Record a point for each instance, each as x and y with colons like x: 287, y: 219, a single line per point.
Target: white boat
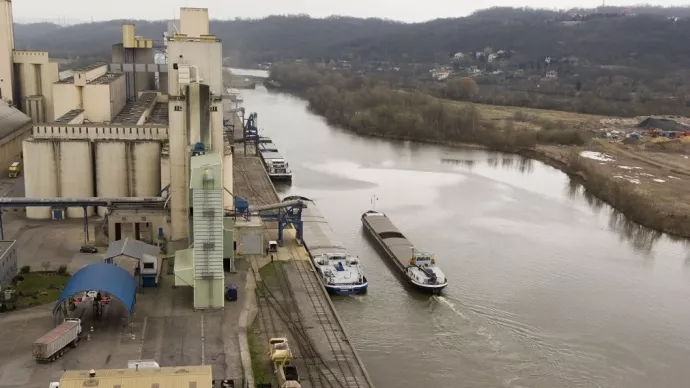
x: 341, y: 273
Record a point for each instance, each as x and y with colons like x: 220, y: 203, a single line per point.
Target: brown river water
x: 549, y: 287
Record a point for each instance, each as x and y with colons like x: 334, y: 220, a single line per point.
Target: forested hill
x: 651, y: 37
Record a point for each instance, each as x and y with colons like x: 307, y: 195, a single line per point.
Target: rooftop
x: 132, y: 111
x: 198, y: 376
x: 131, y: 248
x: 159, y: 115
x: 69, y: 116
x: 104, y: 79
x: 11, y: 119
x: 5, y: 245
x: 91, y: 67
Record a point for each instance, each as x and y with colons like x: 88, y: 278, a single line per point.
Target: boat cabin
x: 423, y: 259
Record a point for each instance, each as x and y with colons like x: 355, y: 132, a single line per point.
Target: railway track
x: 258, y: 197
x: 340, y: 347
x: 318, y: 371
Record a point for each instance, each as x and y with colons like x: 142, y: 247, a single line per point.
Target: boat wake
x: 481, y: 330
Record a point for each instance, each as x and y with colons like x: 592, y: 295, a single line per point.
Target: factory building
x: 15, y: 126
x: 25, y: 76
x: 135, y: 128
x: 8, y: 262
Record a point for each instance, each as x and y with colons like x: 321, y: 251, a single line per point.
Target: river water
x: 548, y: 286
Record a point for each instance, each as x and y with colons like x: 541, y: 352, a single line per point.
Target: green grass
x: 39, y: 288
x: 259, y: 367
x: 269, y: 272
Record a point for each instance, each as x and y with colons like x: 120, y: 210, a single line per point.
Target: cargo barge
x: 340, y: 272
x: 274, y: 163
x: 417, y: 267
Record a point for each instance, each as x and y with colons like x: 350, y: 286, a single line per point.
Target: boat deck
x: 399, y: 246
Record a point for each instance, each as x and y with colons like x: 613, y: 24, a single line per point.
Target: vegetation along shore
x: 643, y: 177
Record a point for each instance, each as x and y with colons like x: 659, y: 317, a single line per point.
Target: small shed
x: 146, y: 256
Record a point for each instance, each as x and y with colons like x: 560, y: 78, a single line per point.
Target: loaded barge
x: 274, y: 163
x: 418, y: 268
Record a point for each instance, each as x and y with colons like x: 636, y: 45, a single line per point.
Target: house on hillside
x: 473, y: 71
x: 492, y: 57
x: 458, y: 55
x: 552, y: 74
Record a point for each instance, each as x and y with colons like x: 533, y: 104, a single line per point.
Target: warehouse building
x: 15, y: 127
x: 8, y: 262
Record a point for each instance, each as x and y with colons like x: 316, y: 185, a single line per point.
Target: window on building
x: 148, y: 265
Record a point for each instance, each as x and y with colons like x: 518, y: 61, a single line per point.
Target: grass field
x: 527, y: 117
x: 39, y: 288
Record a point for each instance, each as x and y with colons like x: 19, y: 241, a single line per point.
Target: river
x: 548, y: 286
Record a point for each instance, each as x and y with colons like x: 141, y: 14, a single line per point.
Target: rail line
x: 335, y: 341
x: 318, y: 372
x: 242, y: 169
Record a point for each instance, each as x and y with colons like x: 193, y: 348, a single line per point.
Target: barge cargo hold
x: 339, y: 271
x: 418, y: 268
x: 274, y: 163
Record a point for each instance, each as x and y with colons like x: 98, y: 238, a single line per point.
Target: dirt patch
x: 651, y: 189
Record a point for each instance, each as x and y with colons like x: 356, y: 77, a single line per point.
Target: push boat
x: 341, y: 273
x: 418, y: 268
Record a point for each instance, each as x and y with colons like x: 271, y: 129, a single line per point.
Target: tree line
x: 372, y: 106
x: 648, y: 39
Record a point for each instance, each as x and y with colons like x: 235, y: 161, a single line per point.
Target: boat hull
x: 428, y: 288
x: 348, y: 290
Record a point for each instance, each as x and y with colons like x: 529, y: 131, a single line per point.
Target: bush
x: 62, y: 270
x: 25, y: 269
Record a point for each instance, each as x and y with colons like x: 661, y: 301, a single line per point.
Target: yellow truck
x: 15, y: 169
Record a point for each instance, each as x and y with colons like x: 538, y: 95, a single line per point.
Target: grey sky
x: 86, y: 10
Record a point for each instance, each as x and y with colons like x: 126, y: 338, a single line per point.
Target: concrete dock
x: 292, y: 302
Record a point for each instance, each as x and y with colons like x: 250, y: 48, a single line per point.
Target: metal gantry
x: 251, y: 132
x: 284, y: 213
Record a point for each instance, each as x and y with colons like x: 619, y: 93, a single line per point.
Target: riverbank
x: 646, y: 188
x: 653, y: 201
x: 651, y: 194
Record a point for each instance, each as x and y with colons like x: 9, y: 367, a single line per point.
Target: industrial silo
x: 111, y: 171
x: 76, y: 174
x: 40, y: 174
x: 146, y: 165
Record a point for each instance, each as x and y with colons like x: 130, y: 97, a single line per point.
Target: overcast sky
x: 405, y: 10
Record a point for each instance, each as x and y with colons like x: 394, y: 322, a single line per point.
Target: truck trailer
x: 53, y: 344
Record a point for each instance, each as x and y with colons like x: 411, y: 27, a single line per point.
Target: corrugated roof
x: 104, y: 277
x: 11, y: 119
x: 196, y: 376
x: 131, y: 248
